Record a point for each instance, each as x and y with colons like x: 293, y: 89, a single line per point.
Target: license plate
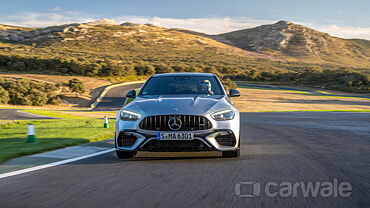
x: 175, y: 136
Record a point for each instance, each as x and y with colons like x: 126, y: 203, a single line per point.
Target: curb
x: 102, y: 94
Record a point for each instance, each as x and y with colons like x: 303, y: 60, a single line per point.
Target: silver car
x: 179, y: 112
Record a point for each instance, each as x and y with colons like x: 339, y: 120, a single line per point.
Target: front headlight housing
x: 129, y: 115
x: 223, y: 115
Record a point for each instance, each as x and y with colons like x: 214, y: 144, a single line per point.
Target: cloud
x: 205, y: 25
x: 228, y: 24
x: 37, y: 19
x: 57, y: 9
x: 344, y: 32
x: 212, y: 25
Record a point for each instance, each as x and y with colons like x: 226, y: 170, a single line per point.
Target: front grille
x: 126, y: 140
x: 175, y: 146
x: 188, y: 123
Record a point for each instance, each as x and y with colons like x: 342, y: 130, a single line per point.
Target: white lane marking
x: 4, y: 175
x: 70, y: 152
x: 33, y: 114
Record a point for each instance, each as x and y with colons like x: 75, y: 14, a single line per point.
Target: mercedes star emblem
x: 174, y: 123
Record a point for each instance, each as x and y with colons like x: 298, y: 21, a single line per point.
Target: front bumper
x: 204, y: 140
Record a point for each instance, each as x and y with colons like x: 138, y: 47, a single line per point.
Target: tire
x: 125, y: 155
x: 228, y: 154
x: 115, y: 140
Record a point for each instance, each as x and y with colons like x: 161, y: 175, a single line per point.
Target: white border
x: 5, y: 175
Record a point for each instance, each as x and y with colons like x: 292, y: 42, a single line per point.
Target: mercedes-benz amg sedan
x: 179, y: 112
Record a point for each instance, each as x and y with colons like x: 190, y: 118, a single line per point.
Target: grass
x: 359, y: 111
x: 259, y: 88
x: 266, y: 100
x: 101, y: 112
x: 54, y: 114
x: 8, y: 107
x: 342, y: 97
x: 50, y: 134
x: 71, y: 114
x: 326, y: 94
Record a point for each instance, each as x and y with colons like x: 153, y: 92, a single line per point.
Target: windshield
x: 182, y: 85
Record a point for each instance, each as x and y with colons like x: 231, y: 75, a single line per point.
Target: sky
x: 341, y: 18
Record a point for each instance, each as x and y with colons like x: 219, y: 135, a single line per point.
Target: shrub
x: 229, y: 84
x: 145, y: 69
x: 26, y: 92
x: 4, y: 96
x: 76, y: 86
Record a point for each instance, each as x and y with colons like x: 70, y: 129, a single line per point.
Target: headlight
x: 129, y: 116
x: 223, y: 115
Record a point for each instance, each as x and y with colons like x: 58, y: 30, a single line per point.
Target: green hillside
x: 106, y: 49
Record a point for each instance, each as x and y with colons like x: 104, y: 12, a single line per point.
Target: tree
x: 36, y: 97
x: 26, y: 92
x: 76, y: 86
x: 4, y: 96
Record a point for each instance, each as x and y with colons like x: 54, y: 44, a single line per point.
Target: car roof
x: 183, y: 74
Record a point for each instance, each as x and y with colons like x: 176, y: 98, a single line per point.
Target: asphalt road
x: 13, y: 114
x: 276, y: 147
x: 115, y: 98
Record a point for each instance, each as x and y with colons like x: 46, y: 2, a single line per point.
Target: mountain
x: 280, y: 41
x: 295, y: 42
x: 108, y: 37
x: 283, y: 52
x: 107, y: 41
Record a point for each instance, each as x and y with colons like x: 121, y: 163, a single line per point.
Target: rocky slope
x: 298, y: 43
x: 107, y: 31
x: 108, y: 39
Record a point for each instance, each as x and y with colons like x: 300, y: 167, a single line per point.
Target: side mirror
x: 131, y: 94
x: 234, y: 93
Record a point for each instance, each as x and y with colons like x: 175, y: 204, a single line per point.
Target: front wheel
x: 125, y: 155
x: 234, y: 153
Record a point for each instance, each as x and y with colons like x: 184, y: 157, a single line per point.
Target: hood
x: 178, y: 104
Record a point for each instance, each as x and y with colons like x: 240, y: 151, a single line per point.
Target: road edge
x: 102, y: 94
x: 26, y: 170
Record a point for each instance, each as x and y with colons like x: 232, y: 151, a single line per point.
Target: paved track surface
x: 13, y: 114
x: 115, y: 98
x: 276, y: 147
